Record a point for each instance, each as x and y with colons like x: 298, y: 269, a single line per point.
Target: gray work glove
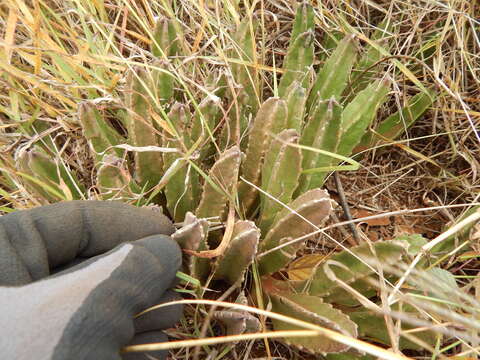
x: 86, y: 309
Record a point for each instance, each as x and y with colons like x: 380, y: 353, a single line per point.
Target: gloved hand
x: 52, y: 310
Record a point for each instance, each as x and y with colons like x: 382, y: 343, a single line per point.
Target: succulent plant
x: 232, y: 265
x: 314, y: 310
x: 46, y: 177
x: 257, y: 159
x: 141, y: 127
x: 238, y: 321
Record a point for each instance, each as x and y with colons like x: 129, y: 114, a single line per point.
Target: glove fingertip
x: 165, y: 249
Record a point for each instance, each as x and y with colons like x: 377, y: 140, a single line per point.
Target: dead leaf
x: 361, y: 213
x: 373, y: 236
x: 304, y: 267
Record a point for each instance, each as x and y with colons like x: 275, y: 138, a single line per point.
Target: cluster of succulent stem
x: 268, y: 158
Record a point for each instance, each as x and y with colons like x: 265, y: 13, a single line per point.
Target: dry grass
x: 54, y: 54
